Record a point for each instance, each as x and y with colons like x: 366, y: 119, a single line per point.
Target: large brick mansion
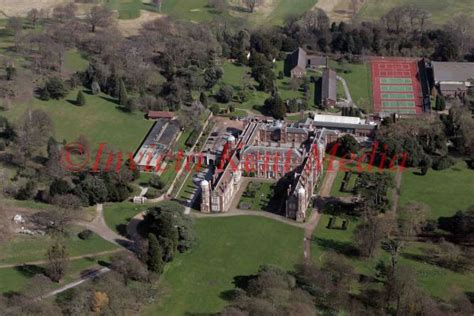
x: 268, y: 151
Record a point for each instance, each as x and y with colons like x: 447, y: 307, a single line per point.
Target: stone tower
x: 301, y: 213
x: 206, y: 197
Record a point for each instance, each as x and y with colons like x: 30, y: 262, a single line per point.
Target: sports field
x: 396, y: 87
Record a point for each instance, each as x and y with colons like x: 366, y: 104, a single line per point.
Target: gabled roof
x: 161, y: 114
x: 453, y: 71
x: 329, y: 85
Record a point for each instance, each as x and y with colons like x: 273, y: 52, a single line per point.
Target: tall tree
x: 155, y: 255
x: 58, y: 260
x: 123, y: 96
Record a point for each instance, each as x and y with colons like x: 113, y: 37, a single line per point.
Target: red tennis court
x: 396, y: 87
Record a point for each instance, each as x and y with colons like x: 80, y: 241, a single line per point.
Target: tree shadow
x: 73, y: 102
x: 30, y: 270
x: 455, y: 266
x: 122, y: 229
x: 110, y: 99
x: 341, y: 247
x: 240, y: 282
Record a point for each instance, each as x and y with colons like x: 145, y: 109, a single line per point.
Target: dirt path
x: 99, y: 226
x: 40, y: 262
x: 89, y: 275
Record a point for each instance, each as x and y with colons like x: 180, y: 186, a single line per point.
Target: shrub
x: 59, y: 187
x: 443, y: 163
x: 215, y: 109
x: 156, y: 182
x: 53, y: 88
x: 85, y: 234
x: 80, y: 100
x: 2, y: 145
x: 152, y: 193
x: 27, y: 192
x: 245, y: 206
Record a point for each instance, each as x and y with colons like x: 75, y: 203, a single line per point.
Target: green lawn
x: 169, y: 173
x: 74, y: 61
x: 28, y: 248
x: 227, y: 248
x: 188, y: 188
x: 100, y: 121
x: 360, y: 83
x: 442, y: 11
x: 445, y: 192
x: 263, y: 194
x: 191, y: 10
x: 435, y: 280
x: 117, y: 215
x: 181, y: 142
x: 127, y: 9
x: 285, y: 8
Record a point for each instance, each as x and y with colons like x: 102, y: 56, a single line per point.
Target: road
x: 84, y: 278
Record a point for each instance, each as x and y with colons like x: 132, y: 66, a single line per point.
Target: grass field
x: 15, y: 279
x: 227, y: 248
x: 442, y: 11
x: 445, y: 192
x: 360, y: 84
x: 100, y: 121
x: 27, y: 248
x: 263, y: 194
x: 234, y: 76
x: 117, y: 215
x: 435, y: 280
x: 275, y: 12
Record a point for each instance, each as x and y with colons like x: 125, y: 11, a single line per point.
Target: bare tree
x: 461, y: 26
x: 252, y: 4
x: 99, y: 16
x: 369, y: 234
x: 316, y: 20
x: 412, y: 218
x: 64, y: 13
x: 33, y: 16
x: 35, y: 129
x: 158, y: 4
